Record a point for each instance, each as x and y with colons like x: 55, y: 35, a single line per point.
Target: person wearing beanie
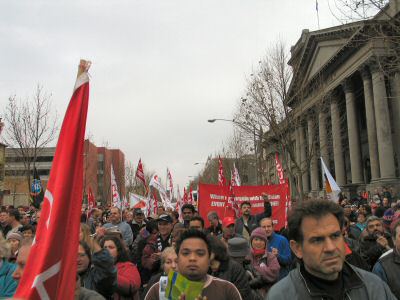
x: 265, y: 265
x: 14, y: 240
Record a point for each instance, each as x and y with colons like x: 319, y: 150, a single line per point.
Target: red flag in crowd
x: 91, y: 200
x: 185, y: 196
x: 279, y: 169
x: 190, y: 196
x: 221, y: 177
x: 50, y: 272
x: 140, y: 173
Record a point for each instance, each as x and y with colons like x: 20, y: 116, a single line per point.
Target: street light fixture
x: 254, y: 134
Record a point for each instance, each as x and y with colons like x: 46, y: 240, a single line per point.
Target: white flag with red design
x: 232, y: 203
x: 50, y: 272
x: 179, y: 204
x: 185, y: 196
x: 170, y: 185
x: 221, y: 176
x: 235, y: 178
x: 279, y: 169
x: 140, y: 173
x: 116, y: 200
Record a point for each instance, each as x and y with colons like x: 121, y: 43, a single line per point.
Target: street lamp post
x: 254, y: 140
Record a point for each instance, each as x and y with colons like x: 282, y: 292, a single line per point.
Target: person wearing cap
x: 138, y: 222
x: 157, y: 243
x: 375, y: 242
x: 265, y: 264
x: 14, y: 240
x: 228, y: 230
x: 224, y: 267
x: 123, y: 227
x: 247, y: 222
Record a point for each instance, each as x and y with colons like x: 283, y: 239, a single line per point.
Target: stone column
x: 323, y: 137
x: 303, y: 159
x: 395, y: 82
x: 383, y: 130
x: 371, y: 127
x: 353, y: 134
x: 298, y: 157
x: 312, y: 147
x: 340, y: 172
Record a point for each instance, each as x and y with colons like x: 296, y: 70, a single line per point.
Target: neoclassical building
x: 345, y: 95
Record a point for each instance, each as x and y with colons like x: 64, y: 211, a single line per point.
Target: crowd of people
x: 349, y: 250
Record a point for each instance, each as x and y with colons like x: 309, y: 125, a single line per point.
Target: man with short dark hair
x: 315, y: 233
x: 188, y: 212
x: 196, y: 222
x: 375, y: 242
x: 193, y: 250
x: 246, y: 223
x: 388, y: 265
x: 13, y: 219
x: 4, y: 226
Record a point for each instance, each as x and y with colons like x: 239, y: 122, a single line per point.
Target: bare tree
x: 31, y: 125
x: 267, y: 114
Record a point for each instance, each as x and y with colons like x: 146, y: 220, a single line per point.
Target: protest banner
x: 215, y: 198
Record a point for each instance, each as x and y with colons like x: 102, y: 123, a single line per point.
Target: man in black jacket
x: 247, y: 222
x: 375, y: 242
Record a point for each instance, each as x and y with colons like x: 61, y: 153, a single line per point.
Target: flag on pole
x: 331, y: 187
x: 91, y: 200
x: 170, y: 186
x: 116, y: 200
x: 140, y: 173
x: 190, y: 196
x: 221, y: 176
x: 232, y: 203
x: 279, y: 169
x: 185, y: 196
x: 179, y: 204
x: 235, y: 178
x: 37, y: 193
x: 50, y: 272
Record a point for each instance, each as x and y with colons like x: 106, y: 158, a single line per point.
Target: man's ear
x: 296, y: 248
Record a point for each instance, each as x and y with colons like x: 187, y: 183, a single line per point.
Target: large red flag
x: 221, y: 176
x: 50, y: 272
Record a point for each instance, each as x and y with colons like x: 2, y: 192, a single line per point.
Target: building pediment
x: 314, y: 50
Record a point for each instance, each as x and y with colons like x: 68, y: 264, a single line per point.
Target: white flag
x: 331, y: 187
x: 116, y: 200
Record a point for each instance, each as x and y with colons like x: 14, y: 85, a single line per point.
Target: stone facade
x: 349, y: 105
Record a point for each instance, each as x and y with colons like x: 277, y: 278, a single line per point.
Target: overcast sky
x: 160, y: 69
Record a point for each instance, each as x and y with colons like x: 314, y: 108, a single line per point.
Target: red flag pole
x: 50, y: 272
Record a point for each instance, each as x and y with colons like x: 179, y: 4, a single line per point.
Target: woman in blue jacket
x: 7, y: 284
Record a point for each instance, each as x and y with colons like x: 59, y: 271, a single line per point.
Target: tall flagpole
x: 316, y: 7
